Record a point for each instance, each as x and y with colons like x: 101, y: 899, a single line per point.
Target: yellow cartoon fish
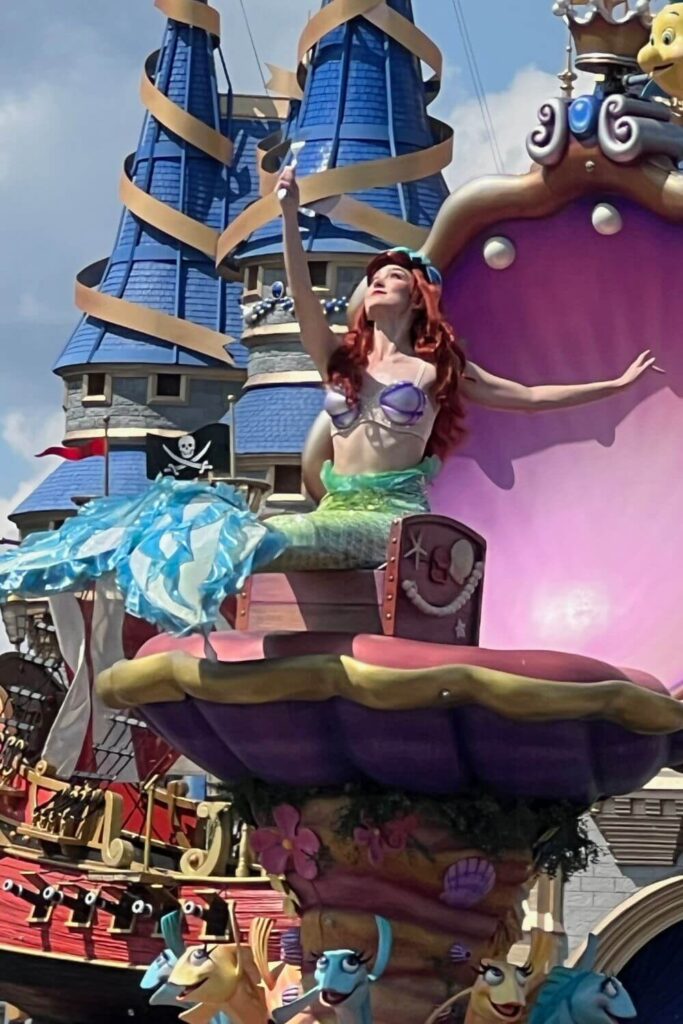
x: 662, y: 56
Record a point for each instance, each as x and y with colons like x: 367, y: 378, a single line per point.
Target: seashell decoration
x: 462, y: 561
x: 457, y: 954
x: 468, y: 882
x: 291, y: 950
x: 291, y: 994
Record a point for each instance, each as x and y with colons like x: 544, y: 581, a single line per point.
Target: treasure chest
x: 430, y: 589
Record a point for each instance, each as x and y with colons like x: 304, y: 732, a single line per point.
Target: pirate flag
x: 190, y: 456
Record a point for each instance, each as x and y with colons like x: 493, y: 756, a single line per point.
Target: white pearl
x: 499, y: 253
x: 606, y: 219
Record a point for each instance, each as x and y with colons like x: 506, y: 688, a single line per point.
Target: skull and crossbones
x: 189, y: 457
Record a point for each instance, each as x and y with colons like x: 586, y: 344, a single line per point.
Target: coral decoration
x: 287, y: 844
x: 338, y: 909
x: 391, y: 837
x: 468, y: 882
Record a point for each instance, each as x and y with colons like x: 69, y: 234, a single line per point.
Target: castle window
x: 169, y: 388
x: 348, y: 279
x: 269, y: 275
x: 287, y: 480
x: 168, y: 385
x: 318, y: 271
x: 96, y: 389
x: 251, y: 278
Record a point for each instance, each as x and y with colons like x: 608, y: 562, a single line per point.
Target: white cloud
x: 513, y: 112
x: 10, y: 501
x: 28, y: 434
x: 25, y: 436
x: 33, y: 310
x: 61, y: 149
x: 21, y: 117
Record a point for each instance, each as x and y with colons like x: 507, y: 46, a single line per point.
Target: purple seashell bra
x: 399, y: 405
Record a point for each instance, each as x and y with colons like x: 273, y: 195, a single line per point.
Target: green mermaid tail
x: 180, y: 547
x: 350, y: 528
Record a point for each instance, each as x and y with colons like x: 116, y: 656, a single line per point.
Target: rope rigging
x: 478, y: 86
x: 253, y: 45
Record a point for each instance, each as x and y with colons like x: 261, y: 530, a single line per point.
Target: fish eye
x: 668, y: 37
x: 522, y: 975
x: 493, y: 976
x: 322, y: 963
x: 351, y: 964
x: 199, y: 956
x: 610, y: 988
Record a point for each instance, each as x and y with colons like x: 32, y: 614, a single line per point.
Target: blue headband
x: 426, y: 265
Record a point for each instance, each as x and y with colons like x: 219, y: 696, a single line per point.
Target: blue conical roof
x: 151, y: 268
x: 364, y: 100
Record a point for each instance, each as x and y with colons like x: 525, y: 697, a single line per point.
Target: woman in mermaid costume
x: 396, y: 387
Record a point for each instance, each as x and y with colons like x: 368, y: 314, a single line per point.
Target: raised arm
x: 316, y: 336
x: 497, y: 393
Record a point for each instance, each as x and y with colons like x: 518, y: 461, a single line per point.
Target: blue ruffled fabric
x: 177, y: 551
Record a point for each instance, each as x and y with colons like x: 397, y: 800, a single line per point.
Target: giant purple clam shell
x: 468, y: 882
x: 291, y: 950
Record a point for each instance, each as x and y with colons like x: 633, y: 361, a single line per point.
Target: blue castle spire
x: 140, y: 379
x: 364, y: 101
x: 148, y: 266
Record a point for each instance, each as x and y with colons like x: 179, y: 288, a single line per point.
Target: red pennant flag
x: 98, y: 446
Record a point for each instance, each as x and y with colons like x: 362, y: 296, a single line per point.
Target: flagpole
x: 106, y: 456
x: 233, y: 455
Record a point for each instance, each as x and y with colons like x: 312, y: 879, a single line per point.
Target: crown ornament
x: 608, y: 34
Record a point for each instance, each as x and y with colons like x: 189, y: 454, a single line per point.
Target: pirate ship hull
x: 72, y: 965
x: 54, y: 988
x: 87, y: 872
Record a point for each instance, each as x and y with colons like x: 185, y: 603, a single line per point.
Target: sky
x: 70, y: 113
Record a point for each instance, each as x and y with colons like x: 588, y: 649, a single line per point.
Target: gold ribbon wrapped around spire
x: 179, y: 122
x: 130, y: 315
x: 193, y: 13
x: 383, y: 17
x: 328, y: 191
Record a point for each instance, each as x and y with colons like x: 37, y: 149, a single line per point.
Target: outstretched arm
x: 497, y: 393
x: 316, y: 337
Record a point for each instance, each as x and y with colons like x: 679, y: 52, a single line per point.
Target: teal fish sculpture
x: 343, y: 982
x: 582, y: 995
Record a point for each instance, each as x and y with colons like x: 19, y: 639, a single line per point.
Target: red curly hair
x: 433, y: 340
